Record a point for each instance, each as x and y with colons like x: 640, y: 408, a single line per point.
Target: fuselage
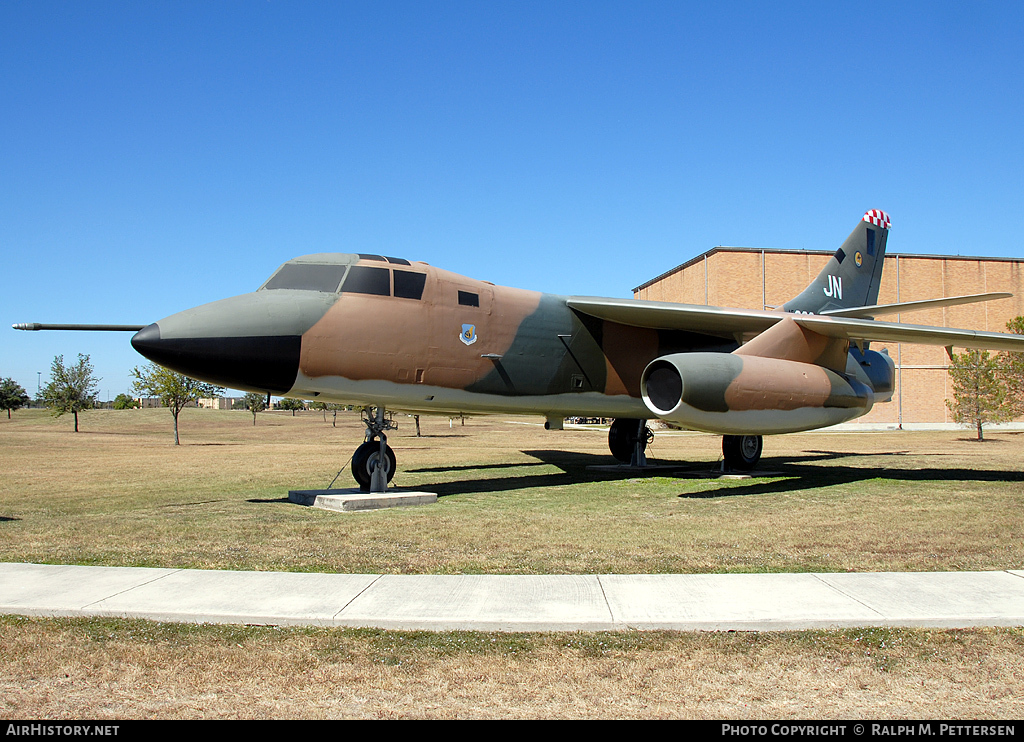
x: 373, y: 330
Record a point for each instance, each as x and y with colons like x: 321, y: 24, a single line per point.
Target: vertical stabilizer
x: 851, y: 276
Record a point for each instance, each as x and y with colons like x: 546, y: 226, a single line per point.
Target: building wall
x: 764, y: 279
x: 218, y: 403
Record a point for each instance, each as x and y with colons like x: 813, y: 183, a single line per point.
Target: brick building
x: 755, y: 278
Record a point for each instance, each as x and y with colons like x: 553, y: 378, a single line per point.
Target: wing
x: 665, y: 315
x: 737, y: 323
x: 915, y: 306
x: 865, y: 330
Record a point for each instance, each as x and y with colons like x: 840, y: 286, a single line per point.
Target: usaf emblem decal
x: 468, y: 334
x: 858, y: 259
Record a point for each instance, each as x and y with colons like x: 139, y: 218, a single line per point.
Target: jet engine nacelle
x: 750, y: 395
x: 875, y: 369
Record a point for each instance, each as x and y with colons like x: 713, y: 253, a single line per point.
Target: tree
x: 979, y: 390
x: 70, y: 389
x: 1013, y: 370
x: 12, y: 396
x: 334, y: 407
x: 291, y: 404
x: 174, y: 390
x: 255, y: 402
x: 325, y: 406
x: 124, y: 402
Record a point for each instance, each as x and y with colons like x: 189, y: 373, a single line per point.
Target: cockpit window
x: 397, y: 261
x: 308, y: 277
x: 365, y: 279
x: 409, y: 285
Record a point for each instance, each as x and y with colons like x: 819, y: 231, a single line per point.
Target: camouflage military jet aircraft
x: 382, y: 332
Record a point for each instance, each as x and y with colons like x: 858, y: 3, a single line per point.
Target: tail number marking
x: 835, y: 287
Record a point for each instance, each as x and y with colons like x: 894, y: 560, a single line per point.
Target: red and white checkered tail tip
x: 879, y: 218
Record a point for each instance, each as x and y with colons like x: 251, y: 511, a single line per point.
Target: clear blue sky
x: 159, y: 155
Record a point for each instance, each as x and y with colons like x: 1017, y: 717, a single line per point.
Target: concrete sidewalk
x: 742, y: 602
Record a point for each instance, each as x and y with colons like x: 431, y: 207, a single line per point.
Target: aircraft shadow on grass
x: 799, y: 473
x: 474, y: 467
x: 786, y: 475
x: 796, y: 477
x: 776, y: 475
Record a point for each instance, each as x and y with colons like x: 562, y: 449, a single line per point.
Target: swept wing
x: 739, y: 322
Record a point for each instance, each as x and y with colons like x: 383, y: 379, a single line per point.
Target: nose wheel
x: 374, y: 463
x: 367, y: 460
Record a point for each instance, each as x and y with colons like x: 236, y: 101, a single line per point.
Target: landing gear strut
x: 741, y: 452
x: 373, y: 463
x: 627, y: 439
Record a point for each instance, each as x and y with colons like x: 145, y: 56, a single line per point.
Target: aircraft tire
x: 622, y: 437
x: 742, y: 452
x: 364, y: 462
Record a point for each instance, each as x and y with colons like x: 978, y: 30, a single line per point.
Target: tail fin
x: 851, y: 277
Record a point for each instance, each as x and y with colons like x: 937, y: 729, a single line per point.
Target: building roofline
x: 791, y: 251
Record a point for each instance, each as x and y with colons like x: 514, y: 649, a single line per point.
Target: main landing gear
x: 741, y: 452
x: 373, y: 463
x: 628, y: 440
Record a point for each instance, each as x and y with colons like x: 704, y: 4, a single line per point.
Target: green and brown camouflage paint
x: 525, y: 343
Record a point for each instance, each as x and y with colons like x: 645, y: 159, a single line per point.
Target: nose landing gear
x: 374, y: 463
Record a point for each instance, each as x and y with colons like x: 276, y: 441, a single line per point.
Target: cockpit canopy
x: 332, y: 272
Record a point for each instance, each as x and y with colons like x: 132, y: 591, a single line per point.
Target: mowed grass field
x: 514, y: 499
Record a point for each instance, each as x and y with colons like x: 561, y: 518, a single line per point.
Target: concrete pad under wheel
x: 354, y: 500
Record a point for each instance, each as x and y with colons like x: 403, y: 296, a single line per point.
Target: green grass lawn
x: 514, y: 498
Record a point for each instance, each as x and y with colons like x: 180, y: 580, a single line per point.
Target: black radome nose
x: 255, y: 363
x: 147, y: 337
